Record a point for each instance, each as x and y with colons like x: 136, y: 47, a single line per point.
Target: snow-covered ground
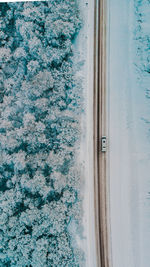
x: 85, y: 48
x: 129, y: 111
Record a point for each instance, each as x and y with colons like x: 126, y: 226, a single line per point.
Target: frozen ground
x: 84, y: 48
x: 129, y: 132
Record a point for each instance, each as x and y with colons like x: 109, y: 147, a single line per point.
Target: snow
x: 85, y: 46
x: 129, y: 136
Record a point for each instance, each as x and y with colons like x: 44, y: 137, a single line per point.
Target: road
x: 100, y: 129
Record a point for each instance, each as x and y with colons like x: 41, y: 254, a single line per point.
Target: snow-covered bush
x: 40, y: 103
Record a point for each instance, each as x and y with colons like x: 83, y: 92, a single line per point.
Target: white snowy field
x: 129, y: 111
x: 84, y: 49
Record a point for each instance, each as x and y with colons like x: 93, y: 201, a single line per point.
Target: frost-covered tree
x: 40, y: 103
